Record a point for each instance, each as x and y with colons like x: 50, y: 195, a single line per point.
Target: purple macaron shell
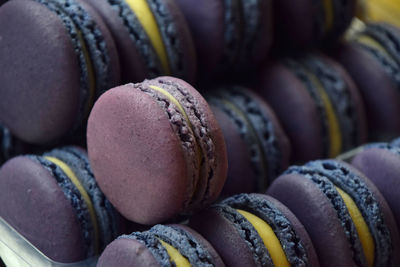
x: 219, y: 231
x: 299, y: 228
x: 47, y: 102
x: 369, y: 75
x: 136, y: 156
x: 34, y: 204
x: 206, y: 21
x: 382, y: 167
x: 127, y: 252
x: 315, y: 212
x: 239, y: 165
x: 297, y: 115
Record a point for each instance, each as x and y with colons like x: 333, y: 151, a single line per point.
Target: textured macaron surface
x: 168, y: 151
x: 171, y: 245
x: 154, y: 34
x: 68, y: 51
x: 229, y: 34
x: 363, y: 214
x: 267, y: 144
x: 379, y: 162
x: 255, y: 230
x: 371, y: 58
x: 295, y: 252
x: 321, y: 95
x: 65, y: 177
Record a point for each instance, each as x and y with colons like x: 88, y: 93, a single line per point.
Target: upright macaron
x: 57, y: 57
x: 348, y: 220
x: 372, y: 58
x: 229, y: 34
x: 255, y: 230
x: 317, y: 103
x: 55, y: 203
x: 162, y: 245
x: 380, y: 163
x: 152, y: 38
x: 308, y: 22
x: 258, y: 148
x: 156, y: 144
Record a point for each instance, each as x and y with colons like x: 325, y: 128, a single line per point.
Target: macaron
x: 317, y: 103
x: 156, y: 144
x: 57, y: 58
x: 152, y: 38
x: 258, y: 148
x: 380, y: 163
x: 347, y: 218
x: 372, y: 59
x: 162, y: 245
x: 54, y: 202
x: 255, y: 230
x: 309, y: 22
x: 229, y: 35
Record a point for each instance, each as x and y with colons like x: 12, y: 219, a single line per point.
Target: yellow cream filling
x: 71, y: 175
x: 183, y: 112
x: 175, y: 256
x: 329, y: 16
x: 91, y: 74
x: 253, y: 131
x: 271, y: 242
x: 149, y: 23
x: 371, y: 42
x: 335, y: 135
x: 366, y: 239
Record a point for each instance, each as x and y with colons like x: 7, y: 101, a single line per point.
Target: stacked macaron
x: 54, y: 202
x: 9, y: 145
x: 347, y: 218
x: 255, y: 230
x: 380, y: 163
x: 317, y: 103
x: 372, y: 58
x: 162, y: 245
x: 309, y: 22
x: 229, y: 35
x: 156, y: 144
x: 258, y: 149
x: 59, y: 56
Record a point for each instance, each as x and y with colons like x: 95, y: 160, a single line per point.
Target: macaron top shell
x: 168, y: 153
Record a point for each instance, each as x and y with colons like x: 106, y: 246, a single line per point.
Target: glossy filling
x: 270, y: 240
x: 91, y: 74
x: 329, y: 16
x: 175, y: 256
x: 71, y: 175
x: 146, y: 18
x: 366, y: 239
x: 335, y: 135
